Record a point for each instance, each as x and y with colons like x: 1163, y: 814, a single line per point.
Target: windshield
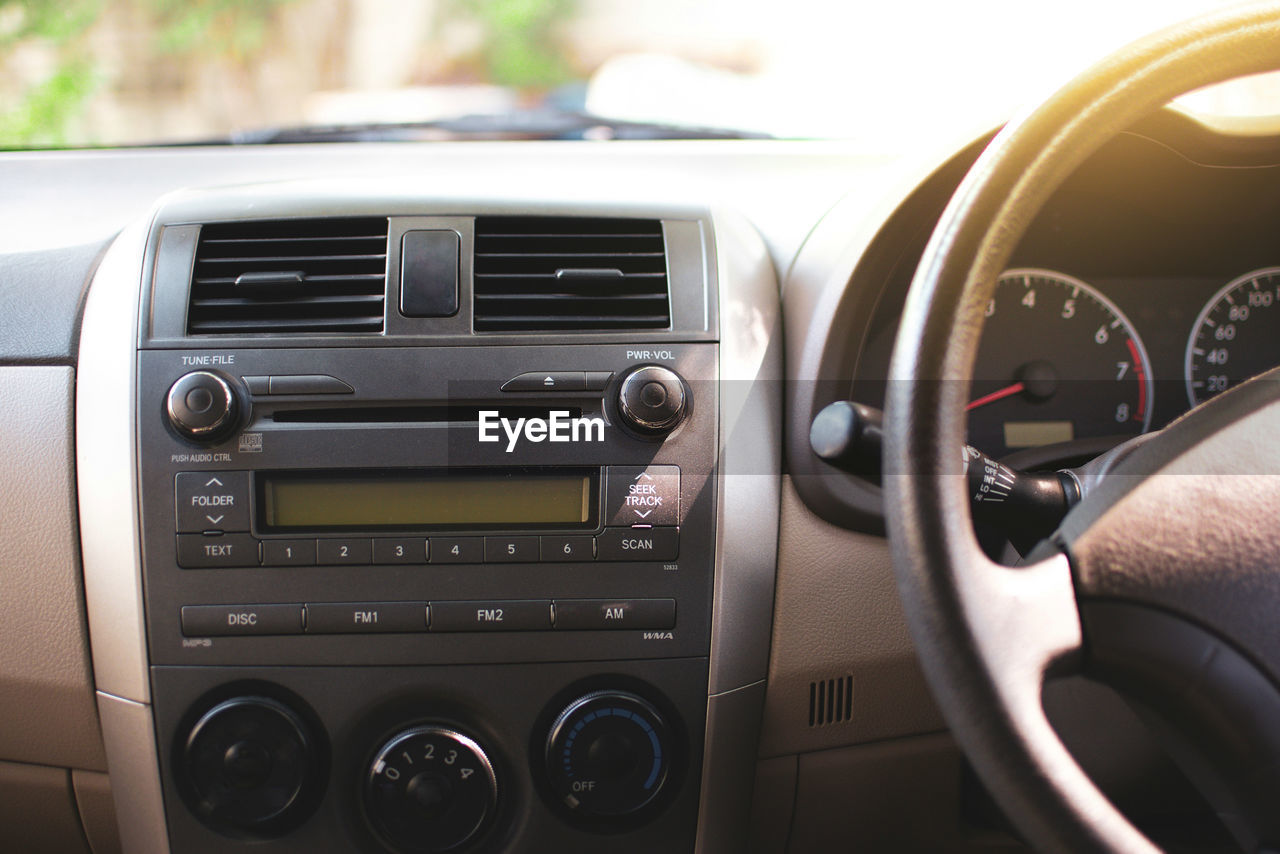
x: 112, y: 72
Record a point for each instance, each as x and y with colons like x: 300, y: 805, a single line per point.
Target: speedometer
x: 1236, y: 336
x: 1057, y: 362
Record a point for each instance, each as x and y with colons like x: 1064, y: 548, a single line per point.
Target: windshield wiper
x: 528, y: 125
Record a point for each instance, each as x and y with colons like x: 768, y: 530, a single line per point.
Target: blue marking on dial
x: 657, y: 760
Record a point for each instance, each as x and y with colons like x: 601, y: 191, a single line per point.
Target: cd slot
x: 426, y: 414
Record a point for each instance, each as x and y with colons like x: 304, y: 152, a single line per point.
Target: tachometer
x: 1058, y: 361
x: 1236, y: 336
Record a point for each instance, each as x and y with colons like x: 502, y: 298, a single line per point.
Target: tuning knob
x: 202, y: 406
x: 652, y: 400
x: 608, y: 756
x: 430, y: 789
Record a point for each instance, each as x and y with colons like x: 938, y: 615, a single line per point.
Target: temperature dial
x: 607, y: 755
x: 430, y: 789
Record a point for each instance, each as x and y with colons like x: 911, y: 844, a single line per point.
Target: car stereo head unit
x: 429, y: 512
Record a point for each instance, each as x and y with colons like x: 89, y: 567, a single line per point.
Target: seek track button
x: 642, y: 495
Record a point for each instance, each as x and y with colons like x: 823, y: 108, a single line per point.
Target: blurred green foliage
x: 520, y: 47
x: 520, y: 44
x: 235, y: 29
x: 232, y: 29
x: 54, y: 20
x: 42, y: 114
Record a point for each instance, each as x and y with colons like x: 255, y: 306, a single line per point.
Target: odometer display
x: 1236, y: 336
x: 1057, y: 359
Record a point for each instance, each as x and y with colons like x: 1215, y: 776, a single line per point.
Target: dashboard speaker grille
x: 289, y: 276
x: 562, y: 273
x: 831, y: 701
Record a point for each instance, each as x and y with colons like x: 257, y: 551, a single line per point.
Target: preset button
x: 389, y: 550
x: 510, y: 549
x: 288, y: 552
x: 573, y: 548
x: 342, y: 552
x: 457, y: 549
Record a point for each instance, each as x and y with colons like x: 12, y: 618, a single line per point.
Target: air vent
x: 289, y: 276
x: 831, y: 701
x: 560, y: 273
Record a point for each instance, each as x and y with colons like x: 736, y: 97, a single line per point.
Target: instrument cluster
x: 1147, y: 285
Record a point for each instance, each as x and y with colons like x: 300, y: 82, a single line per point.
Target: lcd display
x: 1032, y: 434
x: 453, y: 500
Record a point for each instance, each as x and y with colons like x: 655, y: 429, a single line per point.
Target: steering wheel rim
x: 988, y: 636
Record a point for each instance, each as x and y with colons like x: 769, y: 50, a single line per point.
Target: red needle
x: 1007, y: 391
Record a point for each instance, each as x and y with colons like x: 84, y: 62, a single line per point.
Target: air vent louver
x: 536, y: 274
x: 831, y: 701
x: 289, y: 276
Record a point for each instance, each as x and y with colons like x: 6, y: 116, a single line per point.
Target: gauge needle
x: 1007, y: 391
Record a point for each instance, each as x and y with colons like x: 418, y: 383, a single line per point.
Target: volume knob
x: 652, y: 400
x: 202, y: 406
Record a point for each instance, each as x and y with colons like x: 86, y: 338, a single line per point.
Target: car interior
x: 412, y: 495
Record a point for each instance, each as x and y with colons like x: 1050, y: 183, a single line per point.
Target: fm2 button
x: 212, y: 501
x: 642, y: 495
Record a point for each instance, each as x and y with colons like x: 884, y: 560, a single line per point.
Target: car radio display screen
x: 410, y: 500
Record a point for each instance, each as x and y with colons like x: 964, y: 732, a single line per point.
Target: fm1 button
x: 212, y: 501
x: 642, y: 495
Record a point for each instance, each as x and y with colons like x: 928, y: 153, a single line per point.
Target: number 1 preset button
x: 288, y: 552
x: 525, y: 615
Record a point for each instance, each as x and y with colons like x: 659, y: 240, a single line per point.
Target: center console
x: 428, y: 532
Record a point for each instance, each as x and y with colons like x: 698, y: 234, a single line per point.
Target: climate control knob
x: 251, y: 766
x: 652, y: 400
x: 607, y: 755
x: 430, y: 789
x: 202, y: 406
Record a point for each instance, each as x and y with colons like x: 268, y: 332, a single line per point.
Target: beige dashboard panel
x: 47, y: 711
x: 837, y: 622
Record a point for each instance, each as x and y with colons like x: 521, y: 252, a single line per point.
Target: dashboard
x: 418, y: 560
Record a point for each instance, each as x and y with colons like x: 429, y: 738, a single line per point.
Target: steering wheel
x: 1165, y: 580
